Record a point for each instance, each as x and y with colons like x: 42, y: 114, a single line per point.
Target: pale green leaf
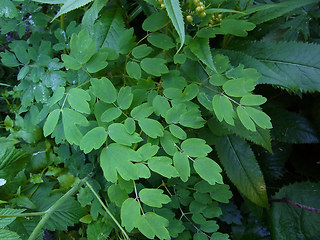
x: 70, y: 5
x: 195, y: 147
x: 245, y: 119
x: 93, y: 139
x: 177, y: 131
x: 163, y: 166
x: 160, y: 105
x: 78, y: 99
x: 259, y: 117
x: 82, y: 46
x: 97, y: 62
x: 252, y: 100
x: 119, y: 134
x: 130, y: 212
x: 111, y: 114
x: 236, y: 88
x: 117, y: 195
x: 147, y: 151
x: 168, y: 142
x: 116, y: 158
x: 104, y: 89
x: 153, y: 197
x: 208, y: 169
x: 51, y: 122
x: 125, y: 97
x: 151, y: 127
x: 223, y: 109
x: 142, y: 111
x: 181, y: 163
x: 148, y: 65
x: 175, y: 14
x: 130, y: 125
x: 161, y: 40
x: 242, y: 168
x: 57, y: 96
x: 70, y: 62
x: 200, y: 48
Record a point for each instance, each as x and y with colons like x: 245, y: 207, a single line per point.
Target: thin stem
x: 24, y: 215
x: 137, y: 197
x: 308, y: 208
x: 53, y: 208
x: 107, y: 210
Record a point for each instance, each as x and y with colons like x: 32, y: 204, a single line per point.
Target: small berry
x: 203, y: 14
x: 163, y: 6
x: 196, y: 2
x: 202, y: 8
x: 189, y: 18
x: 211, y: 21
x: 201, y: 3
x: 198, y: 9
x: 160, y: 1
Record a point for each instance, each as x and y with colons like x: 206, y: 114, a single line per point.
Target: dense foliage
x: 159, y: 119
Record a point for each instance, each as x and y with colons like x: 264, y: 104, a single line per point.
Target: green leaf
x: 93, y: 139
x: 8, y: 235
x: 245, y: 119
x: 133, y: 69
x: 125, y: 97
x: 179, y: 58
x: 117, y: 195
x: 259, y: 117
x: 116, y: 158
x: 119, y: 134
x: 195, y: 147
x: 200, y: 48
x: 97, y: 62
x: 8, y: 10
x: 252, y: 100
x: 177, y: 132
x: 236, y: 27
x: 70, y: 62
x: 142, y: 111
x: 208, y: 169
x: 151, y: 127
x: 160, y: 105
x: 147, y: 64
x: 104, y: 89
x: 236, y: 88
x: 51, y: 122
x: 70, y: 5
x: 5, y: 221
x: 69, y: 119
x: 223, y: 109
x: 153, y: 197
x: 289, y: 127
x: 111, y: 114
x: 181, y: 163
x: 147, y: 151
x: 163, y: 166
x: 78, y: 99
x: 82, y: 47
x: 130, y: 125
x: 221, y: 193
x: 141, y: 51
x: 161, y: 40
x: 130, y: 212
x: 293, y: 222
x: 242, y: 168
x: 57, y: 96
x: 126, y: 41
x: 175, y: 14
x: 151, y: 225
x: 9, y: 59
x: 155, y: 21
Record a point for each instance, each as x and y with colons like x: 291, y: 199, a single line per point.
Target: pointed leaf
x: 242, y: 168
x: 51, y: 122
x: 208, y: 169
x: 93, y: 139
x: 153, y: 197
x: 70, y: 5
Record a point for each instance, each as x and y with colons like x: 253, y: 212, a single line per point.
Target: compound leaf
x: 151, y: 225
x: 223, y: 109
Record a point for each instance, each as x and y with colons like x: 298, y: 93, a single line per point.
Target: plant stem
x: 308, y: 208
x: 55, y: 206
x: 24, y: 215
x: 107, y: 210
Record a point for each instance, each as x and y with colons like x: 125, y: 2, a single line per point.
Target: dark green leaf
x: 133, y: 70
x: 141, y: 51
x: 161, y: 40
x: 51, y: 122
x: 163, y: 166
x: 148, y: 65
x: 181, y: 163
x: 155, y: 21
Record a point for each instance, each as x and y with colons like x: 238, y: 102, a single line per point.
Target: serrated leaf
x: 201, y: 149
x: 163, y: 166
x: 104, y: 89
x: 147, y: 64
x: 208, y: 169
x: 51, y: 122
x: 69, y: 119
x: 93, y: 139
x: 177, y: 132
x: 78, y: 99
x: 8, y: 235
x: 70, y: 5
x: 141, y: 51
x: 161, y: 40
x: 153, y: 197
x: 133, y: 69
x: 151, y: 127
x: 116, y: 158
x: 130, y: 212
x: 5, y: 221
x: 223, y: 109
x: 181, y: 163
x: 155, y: 21
x: 119, y: 134
x: 125, y: 97
x: 175, y: 14
x: 293, y: 222
x: 242, y: 168
x: 111, y: 114
x: 200, y: 48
